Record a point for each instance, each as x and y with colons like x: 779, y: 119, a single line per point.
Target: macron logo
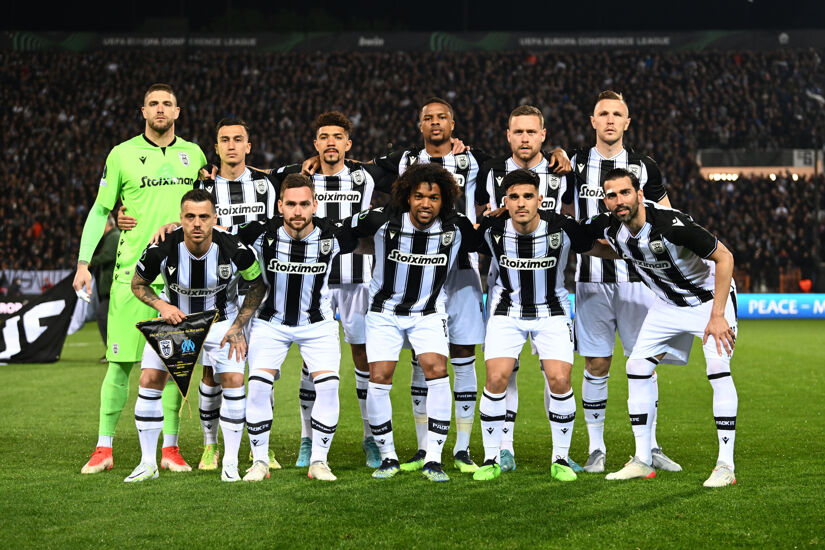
x: 678, y: 223
x: 171, y: 269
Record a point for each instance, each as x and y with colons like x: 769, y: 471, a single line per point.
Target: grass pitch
x: 50, y: 422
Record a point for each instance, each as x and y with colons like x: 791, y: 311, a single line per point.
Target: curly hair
x: 425, y: 173
x: 333, y: 118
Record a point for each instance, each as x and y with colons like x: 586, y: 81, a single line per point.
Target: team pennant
x: 179, y: 345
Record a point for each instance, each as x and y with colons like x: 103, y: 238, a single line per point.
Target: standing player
x: 694, y: 298
x: 609, y: 294
x: 417, y: 241
x: 342, y: 188
x: 200, y: 267
x: 148, y: 174
x: 298, y: 252
x: 529, y: 249
x: 526, y: 134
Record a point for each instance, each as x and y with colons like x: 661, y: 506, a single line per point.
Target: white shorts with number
x: 352, y: 302
x: 217, y: 358
x: 386, y: 334
x: 551, y: 336
x: 670, y: 329
x: 319, y: 344
x: 602, y: 309
x: 465, y: 308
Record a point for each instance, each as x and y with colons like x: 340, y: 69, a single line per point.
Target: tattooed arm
x: 234, y: 336
x: 146, y: 294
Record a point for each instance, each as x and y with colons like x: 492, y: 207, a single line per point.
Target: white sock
x: 379, y: 407
x: 439, y: 407
x: 653, y: 443
x: 149, y: 423
x: 259, y: 413
x: 725, y: 405
x: 233, y: 414
x: 641, y: 403
x: 209, y: 406
x: 594, y: 403
x: 105, y: 440
x: 562, y: 415
x: 306, y: 396
x: 512, y: 410
x: 324, y: 415
x: 465, y: 395
x: 492, y: 410
x: 362, y: 381
x: 418, y: 392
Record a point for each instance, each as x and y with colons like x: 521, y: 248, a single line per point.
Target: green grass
x: 49, y: 417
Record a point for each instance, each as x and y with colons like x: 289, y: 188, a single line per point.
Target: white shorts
x: 386, y: 334
x: 465, y: 308
x: 217, y: 358
x: 319, y: 344
x: 602, y: 309
x: 670, y: 329
x: 551, y: 336
x: 352, y: 302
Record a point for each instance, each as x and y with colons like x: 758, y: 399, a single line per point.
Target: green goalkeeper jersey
x: 150, y: 181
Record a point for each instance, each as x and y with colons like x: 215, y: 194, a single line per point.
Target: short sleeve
x: 148, y: 266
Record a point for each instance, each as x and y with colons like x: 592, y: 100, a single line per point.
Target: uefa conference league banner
x: 36, y: 332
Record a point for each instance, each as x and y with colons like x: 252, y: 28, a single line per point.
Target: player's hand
x: 498, y: 212
x: 160, y: 234
x: 170, y: 314
x: 458, y: 146
x: 82, y: 279
x: 208, y: 172
x: 722, y: 333
x: 237, y: 343
x: 125, y: 222
x: 559, y: 161
x: 311, y: 165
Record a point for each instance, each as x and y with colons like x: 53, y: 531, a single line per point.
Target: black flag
x: 179, y: 345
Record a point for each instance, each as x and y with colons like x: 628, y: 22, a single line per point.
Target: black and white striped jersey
x: 551, y: 186
x: 411, y: 264
x: 195, y: 284
x: 464, y: 167
x: 249, y: 198
x: 584, y: 190
x: 669, y: 252
x: 340, y: 196
x: 297, y: 271
x: 530, y: 268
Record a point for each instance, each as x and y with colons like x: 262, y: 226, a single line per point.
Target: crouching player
x: 200, y: 266
x: 529, y: 249
x: 690, y: 271
x: 297, y: 250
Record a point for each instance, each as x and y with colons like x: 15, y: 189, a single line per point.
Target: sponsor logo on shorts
x: 196, y: 292
x: 417, y: 259
x: 241, y: 209
x: 591, y: 192
x: 338, y: 196
x: 527, y: 264
x: 298, y: 268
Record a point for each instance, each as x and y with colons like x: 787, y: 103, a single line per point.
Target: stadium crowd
x: 66, y: 110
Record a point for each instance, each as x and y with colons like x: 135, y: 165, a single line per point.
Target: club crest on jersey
x: 635, y: 169
x: 462, y: 161
x: 555, y: 239
x: 260, y: 186
x: 326, y: 246
x: 553, y: 182
x: 447, y: 238
x: 224, y: 271
x: 165, y: 348
x: 184, y: 159
x: 357, y: 177
x: 657, y: 247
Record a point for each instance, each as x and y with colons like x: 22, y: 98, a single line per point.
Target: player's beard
x: 628, y: 217
x: 161, y: 128
x: 297, y: 225
x: 440, y: 140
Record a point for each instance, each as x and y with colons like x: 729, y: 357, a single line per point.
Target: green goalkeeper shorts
x: 124, y: 341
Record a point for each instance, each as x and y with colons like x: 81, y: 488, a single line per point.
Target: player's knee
x: 152, y: 378
x: 640, y: 367
x: 209, y: 376
x: 231, y: 379
x: 597, y: 366
x: 461, y: 350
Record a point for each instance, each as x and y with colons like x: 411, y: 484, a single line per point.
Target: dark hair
x: 610, y: 94
x: 520, y: 177
x: 527, y: 110
x: 333, y: 118
x: 619, y: 173
x: 231, y: 122
x: 199, y: 195
x: 431, y: 100
x: 160, y: 87
x: 296, y: 181
x: 425, y: 173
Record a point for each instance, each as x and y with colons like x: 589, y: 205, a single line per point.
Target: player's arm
x: 471, y: 236
x: 349, y: 241
x: 595, y: 228
x: 559, y: 161
x: 654, y: 187
x: 234, y: 336
x: 718, y: 326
